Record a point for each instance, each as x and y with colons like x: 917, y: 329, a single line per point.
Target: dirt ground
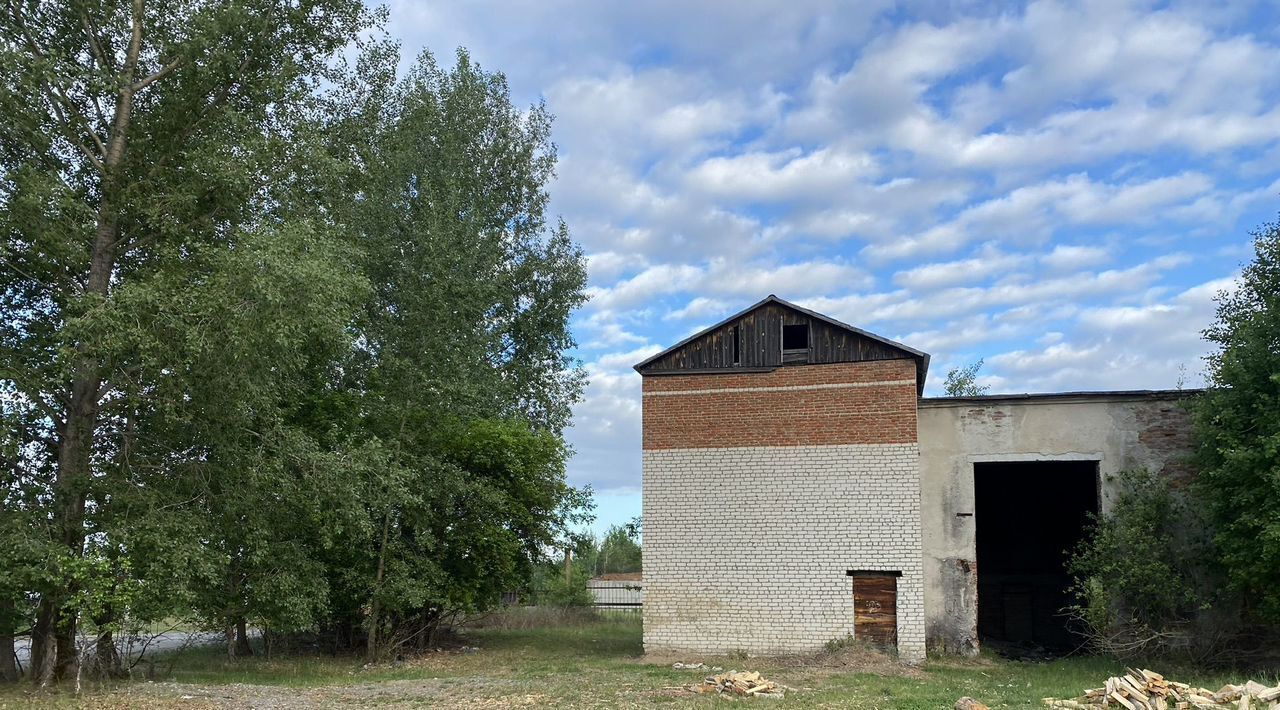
x: 587, y: 665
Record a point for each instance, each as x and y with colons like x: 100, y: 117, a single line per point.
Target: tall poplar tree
x: 139, y: 153
x: 283, y: 345
x: 464, y: 342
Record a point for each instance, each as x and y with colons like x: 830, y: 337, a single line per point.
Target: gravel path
x: 472, y: 693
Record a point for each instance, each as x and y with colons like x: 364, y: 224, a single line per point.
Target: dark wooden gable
x: 757, y: 334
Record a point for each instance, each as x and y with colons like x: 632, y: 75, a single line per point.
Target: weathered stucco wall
x: 1121, y: 431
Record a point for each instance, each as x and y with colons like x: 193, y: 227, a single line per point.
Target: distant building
x: 798, y: 489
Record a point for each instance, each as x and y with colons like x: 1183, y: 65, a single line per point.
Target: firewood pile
x: 746, y: 683
x: 1148, y: 690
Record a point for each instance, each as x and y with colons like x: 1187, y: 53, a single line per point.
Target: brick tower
x: 782, y: 487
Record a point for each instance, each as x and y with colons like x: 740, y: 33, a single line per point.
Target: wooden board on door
x: 875, y: 608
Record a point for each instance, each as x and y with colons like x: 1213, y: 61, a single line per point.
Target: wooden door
x: 875, y: 609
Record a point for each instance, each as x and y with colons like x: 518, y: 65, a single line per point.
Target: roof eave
x: 638, y: 366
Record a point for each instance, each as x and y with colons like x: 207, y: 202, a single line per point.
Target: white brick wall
x: 746, y: 549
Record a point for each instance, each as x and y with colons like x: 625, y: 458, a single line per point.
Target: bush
x: 551, y: 588
x: 536, y: 617
x: 1140, y: 577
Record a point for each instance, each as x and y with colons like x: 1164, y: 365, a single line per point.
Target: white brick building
x: 783, y: 495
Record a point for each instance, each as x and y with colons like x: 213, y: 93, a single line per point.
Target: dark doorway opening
x: 1029, y: 515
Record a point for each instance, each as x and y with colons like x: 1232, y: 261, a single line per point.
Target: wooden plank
x: 875, y: 608
x: 760, y: 344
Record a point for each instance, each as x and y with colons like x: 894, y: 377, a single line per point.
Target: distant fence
x: 619, y: 595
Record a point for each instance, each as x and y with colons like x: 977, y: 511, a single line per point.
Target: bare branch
x: 56, y: 99
x: 88, y: 129
x: 95, y: 47
x: 33, y: 396
x: 162, y: 73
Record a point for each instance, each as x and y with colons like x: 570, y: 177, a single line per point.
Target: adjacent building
x: 798, y: 489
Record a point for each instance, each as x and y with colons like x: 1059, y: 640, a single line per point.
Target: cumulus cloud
x: 990, y: 263
x: 1058, y: 187
x: 700, y: 307
x: 1075, y: 256
x: 786, y: 175
x: 1036, y: 212
x: 1148, y: 346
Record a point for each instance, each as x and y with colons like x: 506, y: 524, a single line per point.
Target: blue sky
x: 1059, y: 188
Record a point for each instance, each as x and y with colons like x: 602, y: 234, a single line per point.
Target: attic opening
x: 1029, y: 515
x: 795, y: 337
x: 795, y: 343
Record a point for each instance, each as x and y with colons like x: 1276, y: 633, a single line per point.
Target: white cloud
x: 1057, y: 185
x: 726, y: 278
x: 1066, y: 257
x: 784, y: 175
x: 1032, y: 213
x: 652, y: 282
x: 700, y: 307
x: 607, y: 266
x: 990, y: 262
x: 1149, y: 346
x: 904, y: 307
x: 606, y: 432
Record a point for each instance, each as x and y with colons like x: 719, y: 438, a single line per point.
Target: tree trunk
x: 74, y: 445
x: 371, y: 650
x: 43, y: 645
x: 76, y: 433
x: 243, y: 647
x: 107, y: 657
x: 8, y: 658
x: 68, y: 656
x: 230, y: 633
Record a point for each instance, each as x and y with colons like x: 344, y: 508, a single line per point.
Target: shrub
x: 535, y: 617
x: 551, y: 588
x: 1140, y: 575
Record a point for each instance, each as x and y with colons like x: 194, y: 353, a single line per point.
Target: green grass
x: 580, y: 664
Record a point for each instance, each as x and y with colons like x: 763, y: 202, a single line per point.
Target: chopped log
x: 1116, y: 696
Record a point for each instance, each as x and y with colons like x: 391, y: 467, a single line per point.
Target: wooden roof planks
x: 1148, y: 690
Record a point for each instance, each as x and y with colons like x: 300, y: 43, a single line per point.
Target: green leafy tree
x: 462, y: 370
x: 963, y: 381
x: 618, y: 551
x: 141, y: 144
x: 1237, y: 421
x: 284, y: 340
x: 24, y: 541
x: 552, y: 587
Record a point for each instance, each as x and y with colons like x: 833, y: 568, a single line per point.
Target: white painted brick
x: 746, y: 549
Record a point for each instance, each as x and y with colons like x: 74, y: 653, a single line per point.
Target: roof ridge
x: 920, y: 355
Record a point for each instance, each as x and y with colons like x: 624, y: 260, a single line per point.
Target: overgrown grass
x: 539, y: 617
x: 590, y: 662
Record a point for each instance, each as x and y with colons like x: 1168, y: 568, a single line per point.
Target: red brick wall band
x: 880, y: 407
